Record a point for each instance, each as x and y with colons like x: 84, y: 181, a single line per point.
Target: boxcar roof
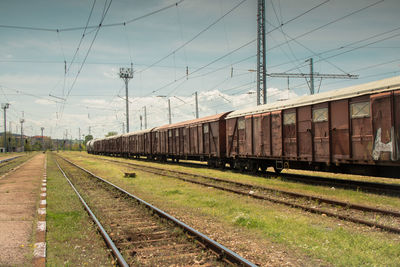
x: 348, y: 92
x: 138, y: 132
x: 195, y: 121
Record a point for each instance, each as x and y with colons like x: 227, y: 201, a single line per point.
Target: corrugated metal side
x: 321, y: 137
x: 383, y: 126
x: 266, y: 134
x: 396, y: 113
x: 258, y: 135
x: 276, y: 133
x: 231, y: 137
x: 340, y: 130
x: 304, y: 132
x: 290, y: 134
x: 361, y: 133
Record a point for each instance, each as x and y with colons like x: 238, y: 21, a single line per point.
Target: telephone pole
x: 145, y: 118
x: 42, y: 129
x: 126, y: 74
x: 22, y: 125
x: 169, y: 111
x: 5, y: 106
x: 197, y: 105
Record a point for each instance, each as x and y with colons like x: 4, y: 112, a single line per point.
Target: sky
x: 59, y: 74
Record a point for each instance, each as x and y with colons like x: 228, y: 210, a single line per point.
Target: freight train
x: 350, y: 130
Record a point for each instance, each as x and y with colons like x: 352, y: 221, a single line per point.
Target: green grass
x: 333, y: 241
x: 72, y: 238
x: 334, y: 193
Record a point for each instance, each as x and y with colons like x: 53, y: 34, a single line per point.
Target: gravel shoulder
x: 19, y: 195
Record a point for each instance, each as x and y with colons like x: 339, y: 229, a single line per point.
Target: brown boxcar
x: 139, y: 143
x: 199, y: 139
x: 354, y: 129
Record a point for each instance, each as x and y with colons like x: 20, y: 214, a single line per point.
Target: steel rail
x: 110, y: 243
x: 221, y: 250
x: 354, y: 184
x: 376, y: 187
x: 9, y: 159
x: 289, y: 193
x: 287, y: 203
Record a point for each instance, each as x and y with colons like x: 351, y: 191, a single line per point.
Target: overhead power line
x: 91, y: 26
x: 233, y: 51
x: 87, y: 54
x: 194, y: 37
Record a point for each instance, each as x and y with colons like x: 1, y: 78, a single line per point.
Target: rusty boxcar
x: 138, y: 143
x: 200, y: 139
x: 353, y: 130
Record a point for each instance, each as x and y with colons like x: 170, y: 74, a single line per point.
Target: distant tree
x: 88, y: 138
x: 27, y: 146
x: 111, y: 134
x: 37, y: 146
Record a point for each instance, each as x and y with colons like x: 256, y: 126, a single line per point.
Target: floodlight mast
x: 126, y: 74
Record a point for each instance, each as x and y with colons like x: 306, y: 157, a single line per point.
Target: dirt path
x: 19, y: 195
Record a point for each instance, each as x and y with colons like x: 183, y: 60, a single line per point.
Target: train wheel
x: 221, y: 164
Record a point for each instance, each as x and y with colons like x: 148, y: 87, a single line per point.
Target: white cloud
x: 44, y: 102
x: 95, y: 102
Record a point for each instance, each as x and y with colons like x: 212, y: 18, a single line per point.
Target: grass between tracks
x: 352, y: 196
x: 72, y: 238
x: 335, y: 242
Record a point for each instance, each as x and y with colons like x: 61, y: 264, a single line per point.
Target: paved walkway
x: 19, y: 195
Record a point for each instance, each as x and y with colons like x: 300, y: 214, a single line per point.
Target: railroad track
x: 9, y: 159
x: 371, y: 187
x: 388, y: 220
x: 389, y: 189
x: 11, y: 164
x: 142, y: 235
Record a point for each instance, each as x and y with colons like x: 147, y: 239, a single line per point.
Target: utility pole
x: 22, y: 138
x: 197, y: 105
x: 126, y: 74
x: 313, y: 75
x: 141, y: 123
x: 5, y: 106
x: 261, y: 61
x: 145, y: 118
x: 90, y: 133
x: 42, y: 128
x: 169, y: 111
x: 9, y: 138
